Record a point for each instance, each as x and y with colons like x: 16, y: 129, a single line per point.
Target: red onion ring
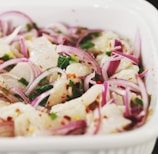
x: 81, y: 54
x: 21, y: 94
x: 127, y: 104
x: 41, y: 76
x: 86, y: 33
x: 23, y: 47
x: 104, y: 93
x: 132, y: 58
x: 88, y: 80
x: 69, y: 127
x: 12, y: 61
x: 39, y: 98
x: 13, y: 12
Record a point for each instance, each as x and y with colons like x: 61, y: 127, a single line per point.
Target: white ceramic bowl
x: 124, y: 17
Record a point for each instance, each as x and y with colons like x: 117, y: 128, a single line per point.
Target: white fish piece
x: 112, y: 121
x: 27, y: 120
x: 127, y: 74
x: 91, y: 95
x: 103, y: 42
x: 59, y: 93
x: 42, y: 53
x: 78, y: 69
x: 74, y: 110
x: 10, y: 79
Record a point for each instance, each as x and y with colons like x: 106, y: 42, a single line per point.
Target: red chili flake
x: 105, y: 116
x: 99, y: 82
x: 9, y: 118
x: 62, y: 123
x: 67, y: 87
x: 40, y: 115
x: 71, y: 75
x: 68, y: 118
x: 96, y: 120
x: 87, y: 109
x: 17, y: 110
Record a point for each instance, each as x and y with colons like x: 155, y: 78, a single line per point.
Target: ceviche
x: 68, y: 80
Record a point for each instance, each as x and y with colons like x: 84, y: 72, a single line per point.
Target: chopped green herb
x: 74, y: 58
x: 64, y: 61
x: 108, y: 53
x: 137, y: 101
x: 87, y: 45
x: 42, y: 81
x: 77, y: 89
x: 44, y: 88
x: 28, y: 27
x: 53, y: 116
x: 59, y: 31
x: 35, y: 26
x: 23, y: 81
x: 140, y: 70
x: 8, y: 68
x: 6, y: 57
x: 90, y: 37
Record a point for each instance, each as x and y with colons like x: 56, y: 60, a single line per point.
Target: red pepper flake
x: 9, y: 118
x: 67, y: 87
x: 68, y: 118
x: 87, y: 109
x: 71, y: 76
x: 40, y: 115
x: 105, y: 116
x: 17, y: 110
x: 62, y: 123
x: 96, y: 120
x: 99, y: 82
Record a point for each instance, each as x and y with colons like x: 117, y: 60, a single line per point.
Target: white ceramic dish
x: 123, y: 17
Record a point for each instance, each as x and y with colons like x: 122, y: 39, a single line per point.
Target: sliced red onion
x: 118, y: 43
x: 117, y: 90
x: 127, y: 104
x: 104, y: 69
x: 104, y: 93
x: 21, y: 94
x: 132, y: 58
x: 143, y: 74
x: 99, y: 120
x: 86, y: 34
x: 10, y: 38
x: 82, y: 55
x: 14, y: 12
x: 113, y: 67
x: 6, y: 128
x: 88, y: 80
x: 12, y: 61
x: 109, y: 66
x: 70, y: 127
x: 124, y: 83
x: 23, y: 47
x: 38, y: 99
x: 144, y: 94
x: 41, y: 76
x: 137, y: 44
